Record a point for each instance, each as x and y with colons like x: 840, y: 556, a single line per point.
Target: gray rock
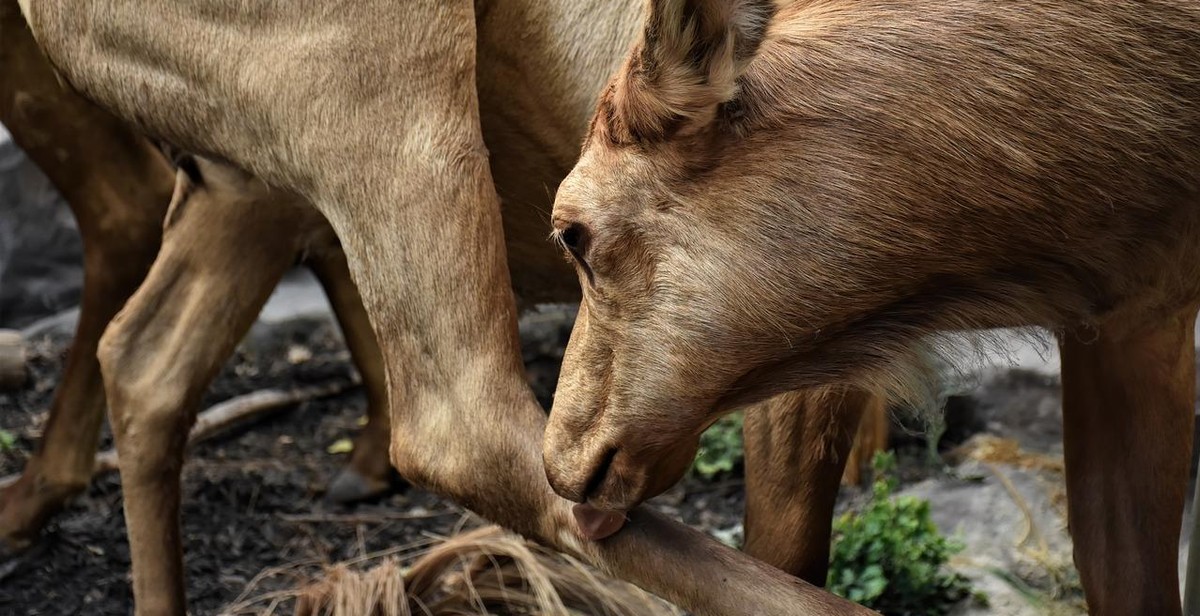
x: 1012, y: 522
x: 1008, y: 520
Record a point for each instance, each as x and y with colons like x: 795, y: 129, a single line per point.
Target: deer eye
x: 574, y: 239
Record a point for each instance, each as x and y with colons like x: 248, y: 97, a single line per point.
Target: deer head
x: 760, y: 209
x: 661, y: 290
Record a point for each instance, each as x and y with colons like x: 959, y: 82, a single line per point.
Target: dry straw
x: 483, y: 571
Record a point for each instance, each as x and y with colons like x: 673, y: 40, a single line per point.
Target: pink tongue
x: 595, y: 524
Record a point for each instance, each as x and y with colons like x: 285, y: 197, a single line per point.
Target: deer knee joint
x: 141, y: 401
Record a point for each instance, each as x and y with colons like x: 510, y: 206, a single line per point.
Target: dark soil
x: 253, y: 500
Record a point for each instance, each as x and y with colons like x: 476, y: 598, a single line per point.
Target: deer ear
x: 686, y: 65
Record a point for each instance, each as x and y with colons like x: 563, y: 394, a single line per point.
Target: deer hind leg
x: 797, y: 445
x: 874, y: 430
x: 1127, y: 412
x: 161, y: 352
x: 62, y: 465
x: 118, y: 187
x: 369, y: 473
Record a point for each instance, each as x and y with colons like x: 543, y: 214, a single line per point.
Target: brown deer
x: 119, y: 186
x: 776, y: 201
x: 211, y: 280
x: 376, y: 121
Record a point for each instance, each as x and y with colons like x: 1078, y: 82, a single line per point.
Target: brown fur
x: 376, y: 121
x: 797, y: 445
x: 119, y: 187
x: 878, y: 172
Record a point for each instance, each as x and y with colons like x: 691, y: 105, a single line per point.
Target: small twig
x: 225, y: 415
x: 270, y: 611
x: 360, y: 518
x: 270, y: 572
x: 242, y: 606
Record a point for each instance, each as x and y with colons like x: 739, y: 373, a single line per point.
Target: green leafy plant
x: 8, y: 441
x: 720, y: 447
x: 891, y: 557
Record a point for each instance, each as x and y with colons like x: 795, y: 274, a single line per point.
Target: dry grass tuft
x: 991, y: 449
x: 483, y: 571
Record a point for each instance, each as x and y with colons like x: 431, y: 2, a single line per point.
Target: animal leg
x: 369, y: 472
x: 874, y: 430
x: 158, y: 356
x: 1127, y: 413
x: 62, y: 465
x: 118, y: 187
x: 797, y: 445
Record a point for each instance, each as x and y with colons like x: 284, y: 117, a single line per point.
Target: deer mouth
x: 607, y: 480
x: 603, y: 478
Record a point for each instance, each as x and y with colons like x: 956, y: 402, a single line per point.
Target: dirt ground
x: 253, y: 500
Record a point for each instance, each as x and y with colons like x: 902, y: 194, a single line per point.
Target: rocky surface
x: 1006, y: 499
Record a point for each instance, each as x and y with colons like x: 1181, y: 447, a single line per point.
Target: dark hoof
x: 350, y: 487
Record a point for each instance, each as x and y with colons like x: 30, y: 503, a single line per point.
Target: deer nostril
x: 600, y: 473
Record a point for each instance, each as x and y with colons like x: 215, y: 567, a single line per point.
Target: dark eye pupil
x: 576, y: 238
x: 572, y: 237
